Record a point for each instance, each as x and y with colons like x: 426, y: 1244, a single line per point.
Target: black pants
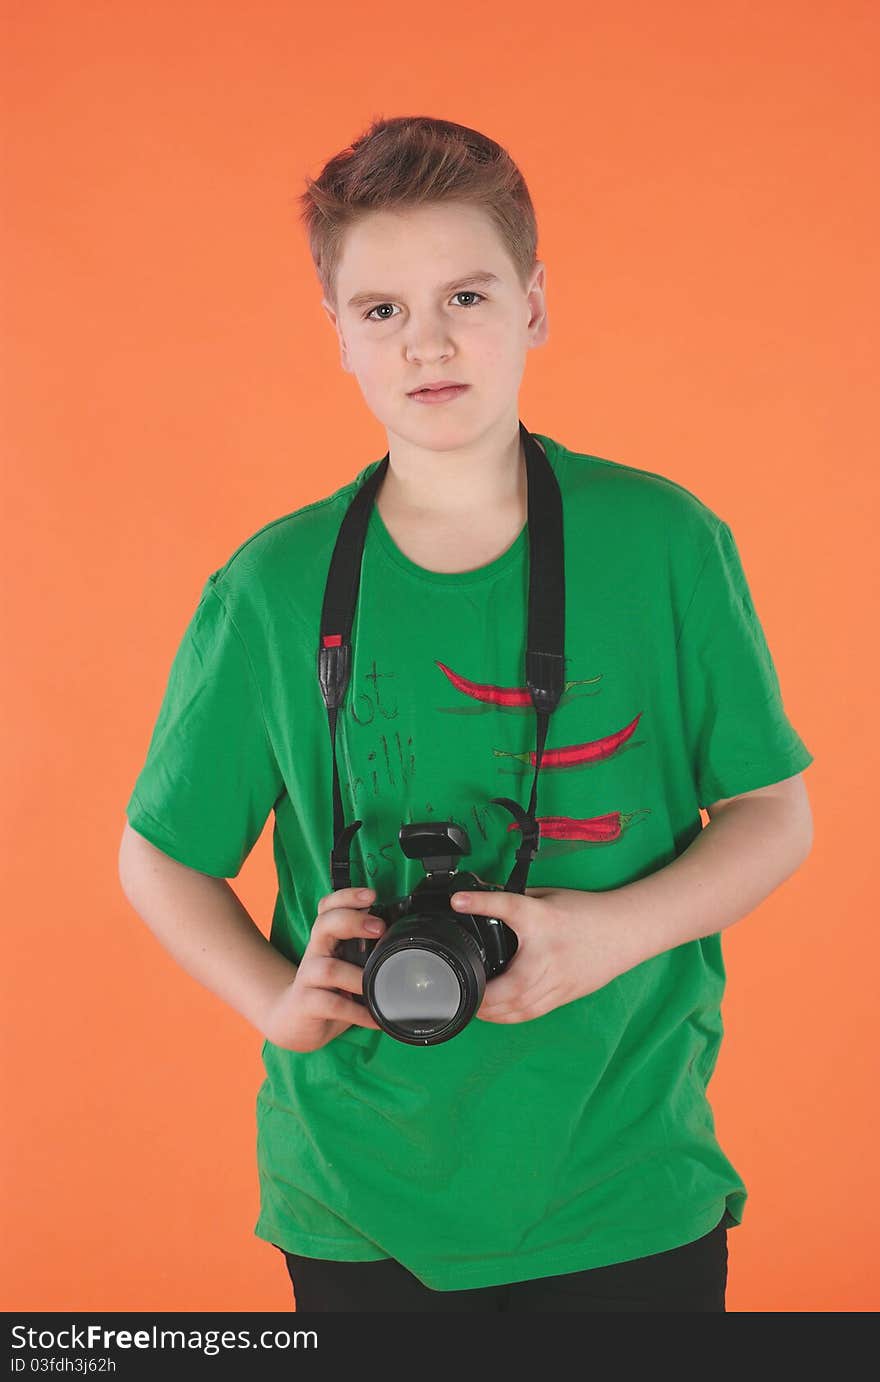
x: 693, y: 1277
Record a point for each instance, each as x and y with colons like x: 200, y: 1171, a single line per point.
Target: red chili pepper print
x: 597, y: 829
x: 499, y: 695
x: 573, y: 754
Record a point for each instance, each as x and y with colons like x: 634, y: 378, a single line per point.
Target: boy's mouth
x: 437, y: 395
x: 439, y: 384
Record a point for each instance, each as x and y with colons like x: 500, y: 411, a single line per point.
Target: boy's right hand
x: 311, y: 1011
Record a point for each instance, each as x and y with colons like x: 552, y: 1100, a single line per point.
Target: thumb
x: 504, y: 906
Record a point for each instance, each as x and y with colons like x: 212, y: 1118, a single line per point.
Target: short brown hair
x: 412, y: 160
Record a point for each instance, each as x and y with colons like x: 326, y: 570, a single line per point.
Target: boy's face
x: 476, y: 333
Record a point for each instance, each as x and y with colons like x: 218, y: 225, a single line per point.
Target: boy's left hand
x: 568, y: 946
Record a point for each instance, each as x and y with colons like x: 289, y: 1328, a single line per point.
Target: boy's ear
x: 539, y: 327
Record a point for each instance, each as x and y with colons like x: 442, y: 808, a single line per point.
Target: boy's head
x: 398, y: 222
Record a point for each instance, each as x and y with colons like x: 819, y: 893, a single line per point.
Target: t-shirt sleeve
x: 210, y: 778
x: 738, y: 734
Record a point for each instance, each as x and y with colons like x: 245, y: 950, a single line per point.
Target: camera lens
x: 416, y: 989
x: 425, y: 978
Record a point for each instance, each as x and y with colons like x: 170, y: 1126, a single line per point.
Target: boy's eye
x: 462, y: 293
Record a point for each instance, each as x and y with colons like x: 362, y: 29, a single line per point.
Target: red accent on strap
x: 331, y: 640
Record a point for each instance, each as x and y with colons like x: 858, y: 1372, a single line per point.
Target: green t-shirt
x: 513, y: 1150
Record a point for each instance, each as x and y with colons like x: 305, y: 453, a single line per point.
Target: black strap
x: 545, y: 640
x: 334, y: 652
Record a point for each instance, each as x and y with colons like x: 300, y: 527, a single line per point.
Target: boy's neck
x: 454, y: 485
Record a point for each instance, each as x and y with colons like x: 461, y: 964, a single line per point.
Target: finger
x: 495, y: 999
x: 329, y: 972
x: 342, y: 1009
x: 342, y: 923
x: 496, y: 904
x: 501, y: 1012
x: 347, y: 897
x: 491, y: 1012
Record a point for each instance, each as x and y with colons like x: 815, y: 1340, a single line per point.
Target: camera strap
x: 544, y: 642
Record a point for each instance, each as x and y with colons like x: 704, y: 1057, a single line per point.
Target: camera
x: 425, y: 977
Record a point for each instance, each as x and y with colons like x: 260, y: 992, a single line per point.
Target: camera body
x: 426, y: 975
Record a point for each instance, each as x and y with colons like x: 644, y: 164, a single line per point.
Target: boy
x: 559, y: 1152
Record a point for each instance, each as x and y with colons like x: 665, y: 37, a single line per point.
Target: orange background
x: 170, y: 384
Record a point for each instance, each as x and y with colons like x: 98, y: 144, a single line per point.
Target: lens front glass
x: 416, y: 988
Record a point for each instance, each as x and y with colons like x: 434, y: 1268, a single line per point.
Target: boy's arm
x: 792, y: 790
x: 753, y: 842
x: 201, y: 922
